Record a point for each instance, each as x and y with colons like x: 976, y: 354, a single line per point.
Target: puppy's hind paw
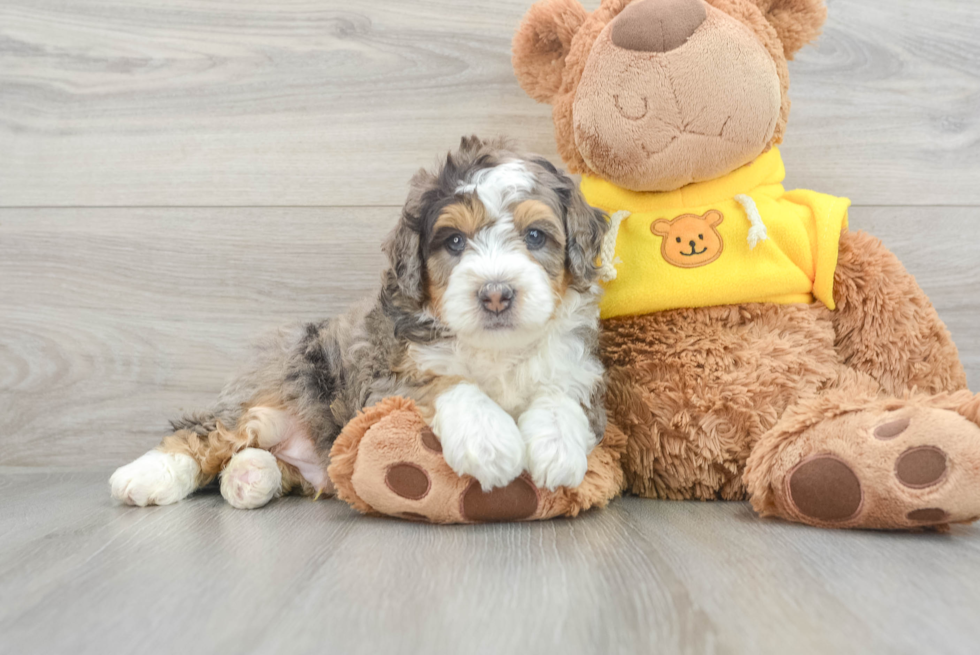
x: 156, y: 478
x: 251, y: 479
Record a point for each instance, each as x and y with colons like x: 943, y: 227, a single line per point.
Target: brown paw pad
x: 408, y: 481
x: 921, y: 467
x: 928, y: 515
x: 824, y: 488
x: 518, y: 500
x: 430, y: 440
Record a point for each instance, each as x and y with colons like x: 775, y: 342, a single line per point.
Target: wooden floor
x: 177, y: 176
x: 79, y: 574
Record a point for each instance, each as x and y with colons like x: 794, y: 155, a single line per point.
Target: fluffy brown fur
x: 694, y: 389
x: 885, y: 326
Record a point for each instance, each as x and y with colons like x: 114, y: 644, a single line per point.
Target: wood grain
x: 179, y: 176
x: 115, y: 319
x: 82, y: 575
x: 324, y: 102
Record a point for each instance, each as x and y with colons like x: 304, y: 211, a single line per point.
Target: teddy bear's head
x: 655, y: 94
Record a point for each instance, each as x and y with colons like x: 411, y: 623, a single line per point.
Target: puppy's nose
x: 693, y: 243
x: 657, y: 25
x: 496, y: 297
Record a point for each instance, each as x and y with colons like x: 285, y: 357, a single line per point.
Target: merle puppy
x: 487, y: 317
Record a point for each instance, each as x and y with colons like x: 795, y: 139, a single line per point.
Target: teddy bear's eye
x: 701, y: 236
x: 678, y: 239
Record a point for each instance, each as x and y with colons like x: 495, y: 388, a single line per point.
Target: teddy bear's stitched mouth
x: 719, y: 135
x: 653, y: 153
x: 627, y: 116
x: 694, y: 252
x: 679, y: 132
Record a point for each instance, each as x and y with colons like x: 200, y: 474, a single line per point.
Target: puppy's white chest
x: 514, y: 380
x: 507, y: 384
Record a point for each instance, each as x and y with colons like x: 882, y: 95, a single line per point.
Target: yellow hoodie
x: 740, y: 238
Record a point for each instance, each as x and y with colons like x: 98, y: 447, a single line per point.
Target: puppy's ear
x: 585, y: 227
x: 541, y: 44
x: 405, y: 261
x: 469, y: 145
x: 406, y: 266
x: 797, y: 22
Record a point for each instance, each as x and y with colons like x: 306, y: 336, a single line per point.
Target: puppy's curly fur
x: 487, y: 317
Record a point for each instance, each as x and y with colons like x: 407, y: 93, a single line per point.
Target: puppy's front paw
x: 156, y: 478
x: 558, y: 439
x: 478, y: 437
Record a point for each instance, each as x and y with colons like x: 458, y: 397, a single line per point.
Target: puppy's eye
x: 455, y: 243
x: 678, y: 239
x: 701, y: 236
x: 535, y: 239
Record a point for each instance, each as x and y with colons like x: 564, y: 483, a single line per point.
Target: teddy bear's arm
x: 885, y: 325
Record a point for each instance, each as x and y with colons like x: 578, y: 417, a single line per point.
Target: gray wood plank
x: 324, y: 102
x: 115, y: 319
x: 80, y: 574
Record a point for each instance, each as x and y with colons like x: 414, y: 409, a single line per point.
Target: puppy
x: 487, y: 318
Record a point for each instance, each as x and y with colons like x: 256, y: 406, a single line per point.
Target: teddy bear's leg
x: 854, y: 459
x: 693, y: 389
x: 885, y: 325
x: 388, y: 461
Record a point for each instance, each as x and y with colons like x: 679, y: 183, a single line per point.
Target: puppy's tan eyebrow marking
x: 535, y: 213
x: 467, y: 217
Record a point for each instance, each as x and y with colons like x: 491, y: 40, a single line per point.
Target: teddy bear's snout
x: 657, y: 25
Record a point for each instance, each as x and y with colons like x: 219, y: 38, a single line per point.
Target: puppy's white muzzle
x: 498, y: 293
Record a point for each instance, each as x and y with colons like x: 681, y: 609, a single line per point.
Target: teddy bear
x: 756, y: 347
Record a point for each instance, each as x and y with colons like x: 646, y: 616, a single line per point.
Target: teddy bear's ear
x: 797, y: 22
x: 660, y: 227
x: 542, y: 43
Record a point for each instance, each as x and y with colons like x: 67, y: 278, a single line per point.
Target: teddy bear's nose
x: 657, y: 25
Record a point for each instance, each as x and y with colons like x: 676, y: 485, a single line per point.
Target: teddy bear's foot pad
x: 389, y: 461
x: 912, y: 467
x: 518, y: 500
x: 422, y: 487
x: 824, y: 488
x: 400, y: 471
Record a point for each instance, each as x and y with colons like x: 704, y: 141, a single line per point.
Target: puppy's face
x: 495, y: 259
x: 502, y: 240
